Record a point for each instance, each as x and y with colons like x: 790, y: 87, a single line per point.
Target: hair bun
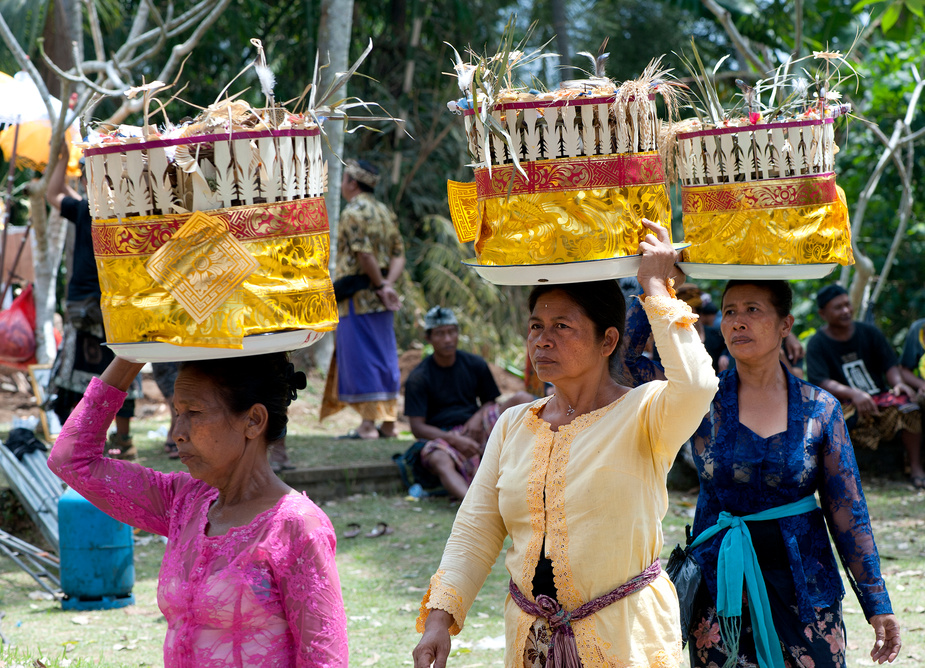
x: 295, y: 380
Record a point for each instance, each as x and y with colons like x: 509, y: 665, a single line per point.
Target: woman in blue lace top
x: 769, y: 444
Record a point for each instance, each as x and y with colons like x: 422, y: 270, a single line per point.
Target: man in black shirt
x: 82, y: 355
x: 450, y: 400
x: 913, y: 357
x: 855, y: 362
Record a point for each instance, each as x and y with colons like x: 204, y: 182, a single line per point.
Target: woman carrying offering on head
x: 248, y: 576
x: 577, y: 480
x: 770, y: 443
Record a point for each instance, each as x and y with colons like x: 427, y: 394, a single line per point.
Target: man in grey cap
x: 450, y: 400
x: 855, y: 362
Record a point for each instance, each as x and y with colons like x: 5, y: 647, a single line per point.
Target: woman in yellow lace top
x: 578, y: 482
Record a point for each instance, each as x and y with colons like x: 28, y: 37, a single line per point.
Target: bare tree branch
x: 174, y: 26
x: 139, y: 23
x: 171, y: 32
x: 905, y: 212
x: 162, y: 37
x: 868, y: 191
x: 112, y: 72
x: 96, y: 31
x: 909, y: 139
x: 740, y: 43
x: 178, y: 52
x: 78, y: 78
x: 95, y: 80
x: 905, y: 171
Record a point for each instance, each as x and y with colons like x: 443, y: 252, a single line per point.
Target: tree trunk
x: 62, y: 29
x: 334, y: 31
x: 560, y: 25
x: 48, y: 234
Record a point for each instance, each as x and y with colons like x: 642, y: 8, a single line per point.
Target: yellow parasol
x: 34, y: 139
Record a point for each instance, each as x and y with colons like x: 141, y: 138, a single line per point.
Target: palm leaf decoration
x: 790, y: 94
x: 489, y: 79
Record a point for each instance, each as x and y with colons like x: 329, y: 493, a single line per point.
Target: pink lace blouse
x: 265, y: 594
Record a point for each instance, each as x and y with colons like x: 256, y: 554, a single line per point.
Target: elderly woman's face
x: 209, y: 437
x: 751, y: 325
x: 562, y: 341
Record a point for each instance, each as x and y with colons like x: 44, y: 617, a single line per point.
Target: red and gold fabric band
x: 209, y: 279
x: 568, y: 210
x: 802, y: 220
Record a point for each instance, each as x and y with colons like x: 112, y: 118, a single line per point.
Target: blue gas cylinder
x: 97, y: 556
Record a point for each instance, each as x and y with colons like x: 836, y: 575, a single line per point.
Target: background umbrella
x: 21, y: 103
x: 34, y: 145
x: 26, y: 143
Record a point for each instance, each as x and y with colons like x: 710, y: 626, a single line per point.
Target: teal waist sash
x: 738, y: 562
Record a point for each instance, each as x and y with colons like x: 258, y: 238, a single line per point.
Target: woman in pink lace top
x: 248, y: 577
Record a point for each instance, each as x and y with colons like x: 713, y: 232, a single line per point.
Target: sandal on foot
x: 354, y: 435
x: 353, y: 530
x: 918, y: 481
x: 382, y: 529
x: 121, y: 447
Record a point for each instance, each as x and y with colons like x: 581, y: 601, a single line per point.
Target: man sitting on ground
x: 856, y: 363
x: 450, y: 402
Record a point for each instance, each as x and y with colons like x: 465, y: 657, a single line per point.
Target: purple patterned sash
x: 563, y: 652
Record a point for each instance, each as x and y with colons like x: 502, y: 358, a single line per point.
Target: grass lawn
x: 384, y: 578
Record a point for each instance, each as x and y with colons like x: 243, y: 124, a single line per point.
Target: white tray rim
x: 765, y: 272
x: 255, y: 344
x: 557, y: 273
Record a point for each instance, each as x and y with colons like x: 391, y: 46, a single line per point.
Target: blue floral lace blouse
x: 742, y: 473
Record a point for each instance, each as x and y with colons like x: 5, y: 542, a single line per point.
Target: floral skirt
x: 536, y: 649
x: 820, y: 644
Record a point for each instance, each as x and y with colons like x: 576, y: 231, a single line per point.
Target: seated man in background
x: 450, y: 400
x: 912, y: 362
x: 855, y: 362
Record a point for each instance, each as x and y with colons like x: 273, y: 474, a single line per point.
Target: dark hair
x: 242, y: 382
x: 367, y: 166
x: 780, y: 294
x: 828, y: 293
x: 601, y: 301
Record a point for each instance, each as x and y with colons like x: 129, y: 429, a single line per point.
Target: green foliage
x: 900, y: 20
x: 435, y: 266
x: 639, y: 31
x: 417, y: 170
x: 492, y: 319
x: 18, y: 657
x: 26, y: 20
x: 883, y: 98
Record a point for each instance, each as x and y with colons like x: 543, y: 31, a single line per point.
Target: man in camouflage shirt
x: 364, y: 372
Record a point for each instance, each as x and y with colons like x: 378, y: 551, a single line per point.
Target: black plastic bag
x: 685, y: 574
x: 23, y: 441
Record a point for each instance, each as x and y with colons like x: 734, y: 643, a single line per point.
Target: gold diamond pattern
x: 201, y: 265
x: 464, y: 210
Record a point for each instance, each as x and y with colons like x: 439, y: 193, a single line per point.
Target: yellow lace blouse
x: 595, y: 490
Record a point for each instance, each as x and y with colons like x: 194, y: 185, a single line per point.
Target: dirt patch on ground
x: 18, y: 400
